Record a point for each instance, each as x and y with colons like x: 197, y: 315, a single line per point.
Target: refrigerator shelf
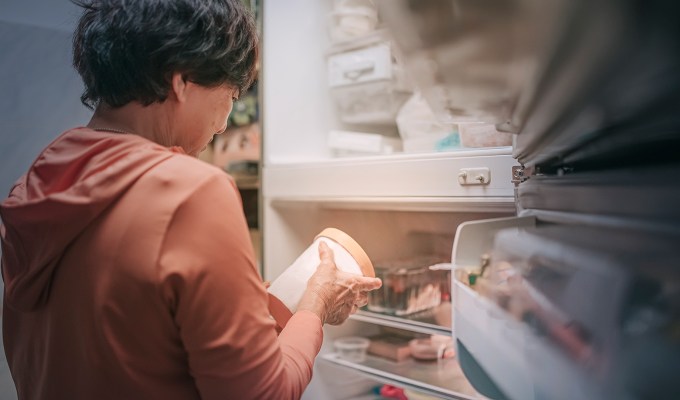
x: 429, y: 175
x: 442, y: 379
x: 299, y: 160
x: 380, y: 203
x: 422, y: 322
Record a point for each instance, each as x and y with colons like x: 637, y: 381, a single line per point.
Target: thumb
x: 326, y: 255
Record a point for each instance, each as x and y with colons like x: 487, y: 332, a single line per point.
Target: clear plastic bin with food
x: 409, y: 286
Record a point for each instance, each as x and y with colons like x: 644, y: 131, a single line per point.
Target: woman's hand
x: 333, y: 294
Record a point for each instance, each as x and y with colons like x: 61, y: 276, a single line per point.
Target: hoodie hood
x: 74, y: 180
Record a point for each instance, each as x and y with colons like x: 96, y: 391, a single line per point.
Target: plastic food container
x: 352, y: 18
x: 287, y: 290
x: 347, y: 143
x: 367, y: 85
x: 483, y: 135
x: 408, y: 287
x: 373, y: 103
x: 352, y: 348
x: 347, y: 24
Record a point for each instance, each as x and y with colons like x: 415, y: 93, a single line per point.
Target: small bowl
x: 352, y: 348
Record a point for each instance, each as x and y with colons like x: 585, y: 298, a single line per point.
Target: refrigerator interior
x: 397, y: 206
x: 590, y: 92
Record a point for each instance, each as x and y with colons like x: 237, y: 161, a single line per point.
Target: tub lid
x: 352, y: 247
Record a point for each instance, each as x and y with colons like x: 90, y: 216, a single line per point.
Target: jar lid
x: 352, y: 247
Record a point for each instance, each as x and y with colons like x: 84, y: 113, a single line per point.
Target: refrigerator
x: 572, y: 233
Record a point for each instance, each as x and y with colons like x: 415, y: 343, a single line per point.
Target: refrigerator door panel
x: 563, y: 309
x: 491, y: 349
x: 610, y: 86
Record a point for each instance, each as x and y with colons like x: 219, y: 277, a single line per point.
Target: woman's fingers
x: 327, y: 261
x: 326, y: 256
x: 366, y: 284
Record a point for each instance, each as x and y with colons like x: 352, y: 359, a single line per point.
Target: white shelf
x: 432, y: 175
x: 426, y: 204
x: 423, y: 322
x: 442, y: 378
x: 463, y: 152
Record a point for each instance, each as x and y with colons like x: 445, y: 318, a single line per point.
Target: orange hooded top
x: 129, y: 274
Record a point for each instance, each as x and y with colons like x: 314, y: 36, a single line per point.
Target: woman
x: 127, y: 262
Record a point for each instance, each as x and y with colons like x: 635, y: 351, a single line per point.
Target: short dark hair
x: 127, y: 50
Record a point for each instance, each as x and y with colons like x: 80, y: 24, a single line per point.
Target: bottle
x: 287, y: 290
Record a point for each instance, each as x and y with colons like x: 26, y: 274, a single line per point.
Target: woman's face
x: 204, y: 114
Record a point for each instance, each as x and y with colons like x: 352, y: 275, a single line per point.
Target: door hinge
x: 519, y: 174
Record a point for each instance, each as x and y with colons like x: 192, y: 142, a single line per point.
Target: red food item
x: 393, y: 392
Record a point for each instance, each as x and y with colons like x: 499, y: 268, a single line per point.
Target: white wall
x: 39, y: 93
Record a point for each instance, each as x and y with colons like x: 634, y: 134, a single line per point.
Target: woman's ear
x: 179, y: 87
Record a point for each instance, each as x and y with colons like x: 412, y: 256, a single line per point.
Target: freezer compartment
x: 574, y: 312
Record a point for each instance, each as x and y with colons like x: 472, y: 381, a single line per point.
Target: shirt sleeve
x: 219, y: 304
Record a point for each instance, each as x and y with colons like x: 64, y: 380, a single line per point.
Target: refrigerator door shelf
x: 567, y: 312
x: 494, y: 344
x: 510, y: 361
